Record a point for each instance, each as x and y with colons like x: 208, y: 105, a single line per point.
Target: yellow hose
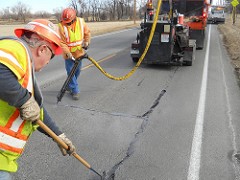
x: 142, y: 56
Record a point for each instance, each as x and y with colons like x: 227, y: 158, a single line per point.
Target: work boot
x: 76, y: 96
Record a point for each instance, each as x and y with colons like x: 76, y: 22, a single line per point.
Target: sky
x: 36, y: 5
x: 48, y: 5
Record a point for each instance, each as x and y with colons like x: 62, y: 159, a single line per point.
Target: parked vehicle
x: 216, y: 15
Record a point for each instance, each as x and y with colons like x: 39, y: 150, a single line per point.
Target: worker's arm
x: 15, y: 95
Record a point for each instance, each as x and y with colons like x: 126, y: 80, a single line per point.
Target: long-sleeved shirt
x: 15, y: 95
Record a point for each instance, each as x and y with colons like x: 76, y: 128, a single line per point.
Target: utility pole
x: 134, y: 12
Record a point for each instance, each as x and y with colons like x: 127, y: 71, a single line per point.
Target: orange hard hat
x: 68, y: 15
x: 46, y: 30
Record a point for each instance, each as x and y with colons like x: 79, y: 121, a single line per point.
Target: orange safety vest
x: 14, y: 131
x: 74, y: 39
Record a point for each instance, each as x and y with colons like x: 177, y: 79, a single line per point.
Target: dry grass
x: 95, y: 27
x: 231, y: 39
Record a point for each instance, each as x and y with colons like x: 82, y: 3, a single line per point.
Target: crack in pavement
x: 145, y: 116
x: 111, y: 173
x: 131, y: 148
x: 102, y: 112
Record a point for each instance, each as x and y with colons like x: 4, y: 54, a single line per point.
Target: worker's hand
x: 30, y: 110
x: 85, y: 45
x: 71, y: 147
x: 69, y: 55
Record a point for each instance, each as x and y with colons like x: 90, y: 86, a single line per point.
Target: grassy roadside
x: 96, y: 28
x: 231, y: 40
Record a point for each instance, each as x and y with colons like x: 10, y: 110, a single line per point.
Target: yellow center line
x: 99, y: 61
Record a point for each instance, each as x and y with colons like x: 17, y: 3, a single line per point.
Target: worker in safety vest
x: 75, y: 36
x: 21, y: 102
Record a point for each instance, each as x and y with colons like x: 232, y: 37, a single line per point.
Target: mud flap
x: 199, y: 35
x: 189, y: 53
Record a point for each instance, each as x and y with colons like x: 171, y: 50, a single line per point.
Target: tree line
x: 90, y: 10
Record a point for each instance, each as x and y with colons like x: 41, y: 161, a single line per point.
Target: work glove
x: 85, y: 45
x: 30, y: 110
x: 71, y: 147
x: 70, y: 56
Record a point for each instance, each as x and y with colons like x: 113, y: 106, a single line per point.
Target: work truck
x: 195, y: 17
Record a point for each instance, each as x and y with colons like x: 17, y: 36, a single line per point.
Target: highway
x: 163, y: 123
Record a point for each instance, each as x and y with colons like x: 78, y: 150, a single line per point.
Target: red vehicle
x: 196, y: 14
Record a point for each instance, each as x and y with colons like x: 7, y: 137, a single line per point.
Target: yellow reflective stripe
x: 16, y: 124
x: 11, y: 141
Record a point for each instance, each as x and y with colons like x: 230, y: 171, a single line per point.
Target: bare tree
x: 6, y: 14
x: 21, y: 11
x: 57, y: 12
x: 95, y: 10
x: 74, y: 5
x: 82, y: 7
x: 88, y: 9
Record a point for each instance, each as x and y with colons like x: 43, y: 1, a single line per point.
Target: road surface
x: 163, y: 123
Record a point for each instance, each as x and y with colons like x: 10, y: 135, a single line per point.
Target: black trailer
x: 170, y: 44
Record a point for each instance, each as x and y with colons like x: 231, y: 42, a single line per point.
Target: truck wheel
x: 188, y: 63
x: 135, y: 59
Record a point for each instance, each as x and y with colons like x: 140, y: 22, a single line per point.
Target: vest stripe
x: 11, y: 141
x: 11, y: 137
x: 18, y: 72
x: 11, y: 119
x: 12, y: 133
x: 16, y: 124
x: 11, y: 58
x: 10, y: 148
x: 73, y: 44
x: 67, y: 34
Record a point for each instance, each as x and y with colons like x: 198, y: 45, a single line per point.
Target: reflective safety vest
x: 74, y: 38
x: 14, y: 131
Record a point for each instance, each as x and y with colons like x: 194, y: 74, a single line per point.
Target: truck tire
x: 188, y: 63
x: 135, y: 59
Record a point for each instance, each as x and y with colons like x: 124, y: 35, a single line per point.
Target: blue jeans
x: 73, y: 85
x: 4, y: 175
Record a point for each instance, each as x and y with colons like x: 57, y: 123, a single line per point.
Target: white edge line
x: 195, y: 158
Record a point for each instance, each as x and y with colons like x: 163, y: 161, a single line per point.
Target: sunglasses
x: 51, y: 52
x: 70, y: 23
